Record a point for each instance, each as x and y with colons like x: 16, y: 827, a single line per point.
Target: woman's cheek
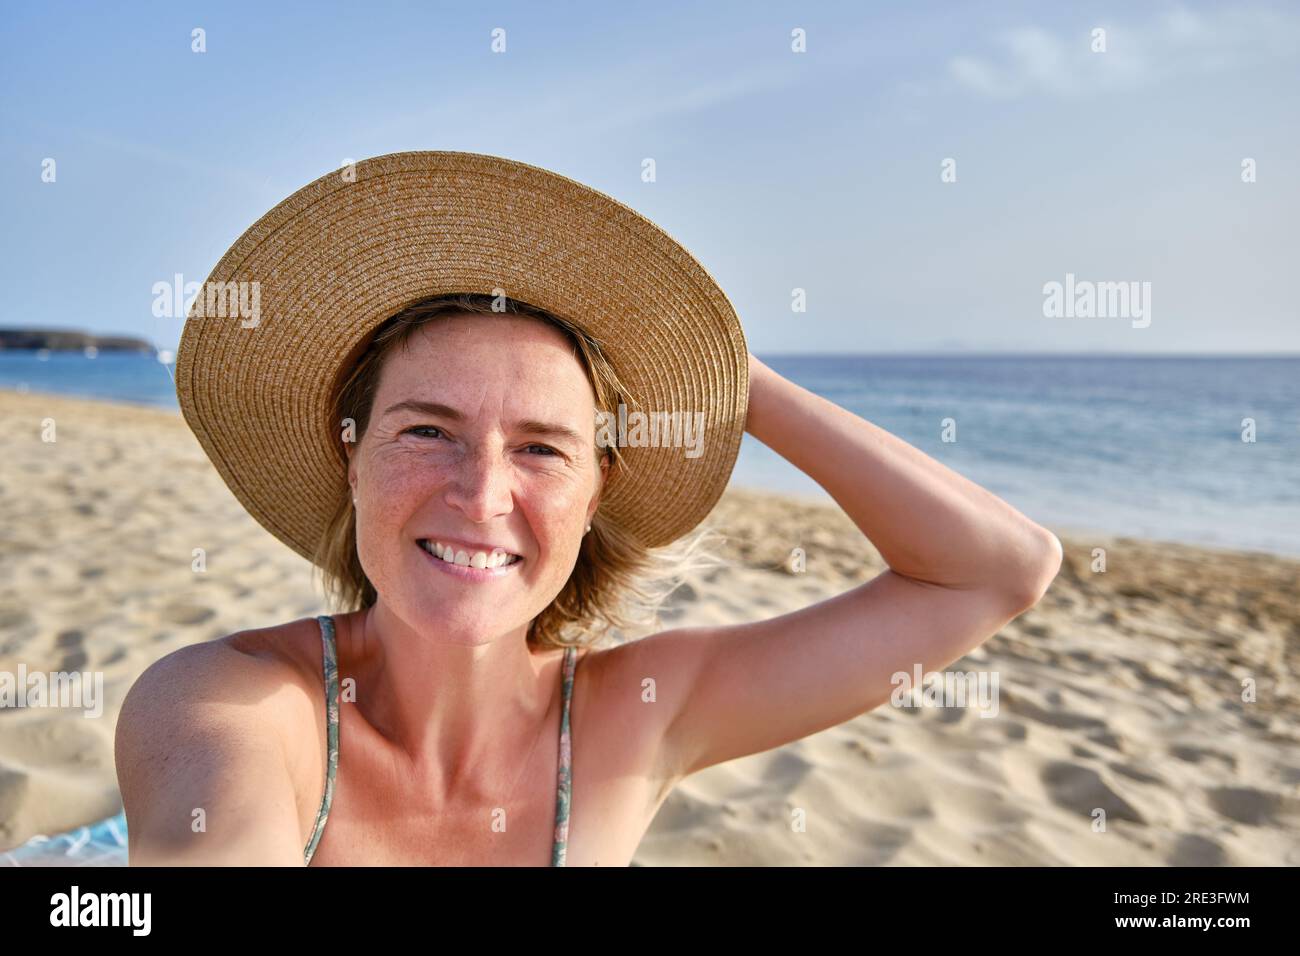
x: 404, y: 480
x: 391, y: 494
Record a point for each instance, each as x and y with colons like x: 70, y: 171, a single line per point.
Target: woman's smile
x: 480, y: 568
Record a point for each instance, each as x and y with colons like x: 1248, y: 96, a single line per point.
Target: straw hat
x: 330, y: 263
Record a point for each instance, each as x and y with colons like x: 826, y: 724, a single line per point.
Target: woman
x: 487, y: 542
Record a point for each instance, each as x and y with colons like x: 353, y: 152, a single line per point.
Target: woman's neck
x: 459, y: 716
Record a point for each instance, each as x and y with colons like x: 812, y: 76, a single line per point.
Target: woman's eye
x: 548, y: 451
x: 417, y: 428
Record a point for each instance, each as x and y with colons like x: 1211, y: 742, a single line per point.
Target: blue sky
x: 817, y: 170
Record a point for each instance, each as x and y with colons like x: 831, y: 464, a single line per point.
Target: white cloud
x: 1176, y: 43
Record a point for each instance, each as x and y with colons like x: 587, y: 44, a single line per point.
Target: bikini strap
x: 563, y: 788
x: 331, y: 671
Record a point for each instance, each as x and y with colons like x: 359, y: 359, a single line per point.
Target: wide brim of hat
x: 353, y: 248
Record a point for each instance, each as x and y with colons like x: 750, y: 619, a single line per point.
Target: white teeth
x: 480, y: 559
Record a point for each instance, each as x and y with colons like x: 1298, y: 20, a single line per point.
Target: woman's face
x: 496, y: 467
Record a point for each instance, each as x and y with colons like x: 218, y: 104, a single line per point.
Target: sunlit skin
x: 416, y: 474
x: 454, y: 716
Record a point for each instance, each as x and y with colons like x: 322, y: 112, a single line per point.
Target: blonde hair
x: 617, y: 583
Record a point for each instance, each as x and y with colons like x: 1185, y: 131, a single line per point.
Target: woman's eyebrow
x: 531, y: 426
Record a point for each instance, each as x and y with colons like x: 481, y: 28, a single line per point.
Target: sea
x: 1195, y: 449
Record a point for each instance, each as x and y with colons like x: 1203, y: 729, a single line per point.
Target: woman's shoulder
x: 250, y: 667
x: 214, y: 720
x: 246, y: 682
x: 292, y: 649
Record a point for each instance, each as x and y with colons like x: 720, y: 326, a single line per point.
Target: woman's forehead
x: 499, y: 363
x: 504, y: 340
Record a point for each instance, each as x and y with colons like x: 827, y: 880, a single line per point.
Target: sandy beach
x: 1121, y: 690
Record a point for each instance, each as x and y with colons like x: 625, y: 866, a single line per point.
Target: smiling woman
x: 616, y: 582
x: 431, y: 446
x: 411, y: 438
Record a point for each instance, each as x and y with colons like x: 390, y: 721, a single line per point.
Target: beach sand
x: 1121, y: 690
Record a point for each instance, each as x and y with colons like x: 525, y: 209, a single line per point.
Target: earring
x: 588, y: 529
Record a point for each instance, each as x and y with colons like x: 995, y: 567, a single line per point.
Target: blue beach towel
x: 99, y: 844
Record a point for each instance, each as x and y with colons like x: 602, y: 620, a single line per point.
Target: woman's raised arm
x: 962, y: 563
x: 929, y: 523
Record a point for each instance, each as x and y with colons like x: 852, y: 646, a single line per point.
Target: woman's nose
x: 482, y: 486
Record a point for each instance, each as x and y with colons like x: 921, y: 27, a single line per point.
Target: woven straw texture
x: 338, y: 257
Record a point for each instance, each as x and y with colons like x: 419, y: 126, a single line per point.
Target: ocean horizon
x: 1139, y: 445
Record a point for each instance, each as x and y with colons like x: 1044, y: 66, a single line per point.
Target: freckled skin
x: 479, y: 479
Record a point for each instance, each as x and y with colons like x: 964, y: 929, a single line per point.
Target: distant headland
x: 69, y: 340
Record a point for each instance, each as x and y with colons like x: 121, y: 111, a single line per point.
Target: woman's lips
x: 467, y: 573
